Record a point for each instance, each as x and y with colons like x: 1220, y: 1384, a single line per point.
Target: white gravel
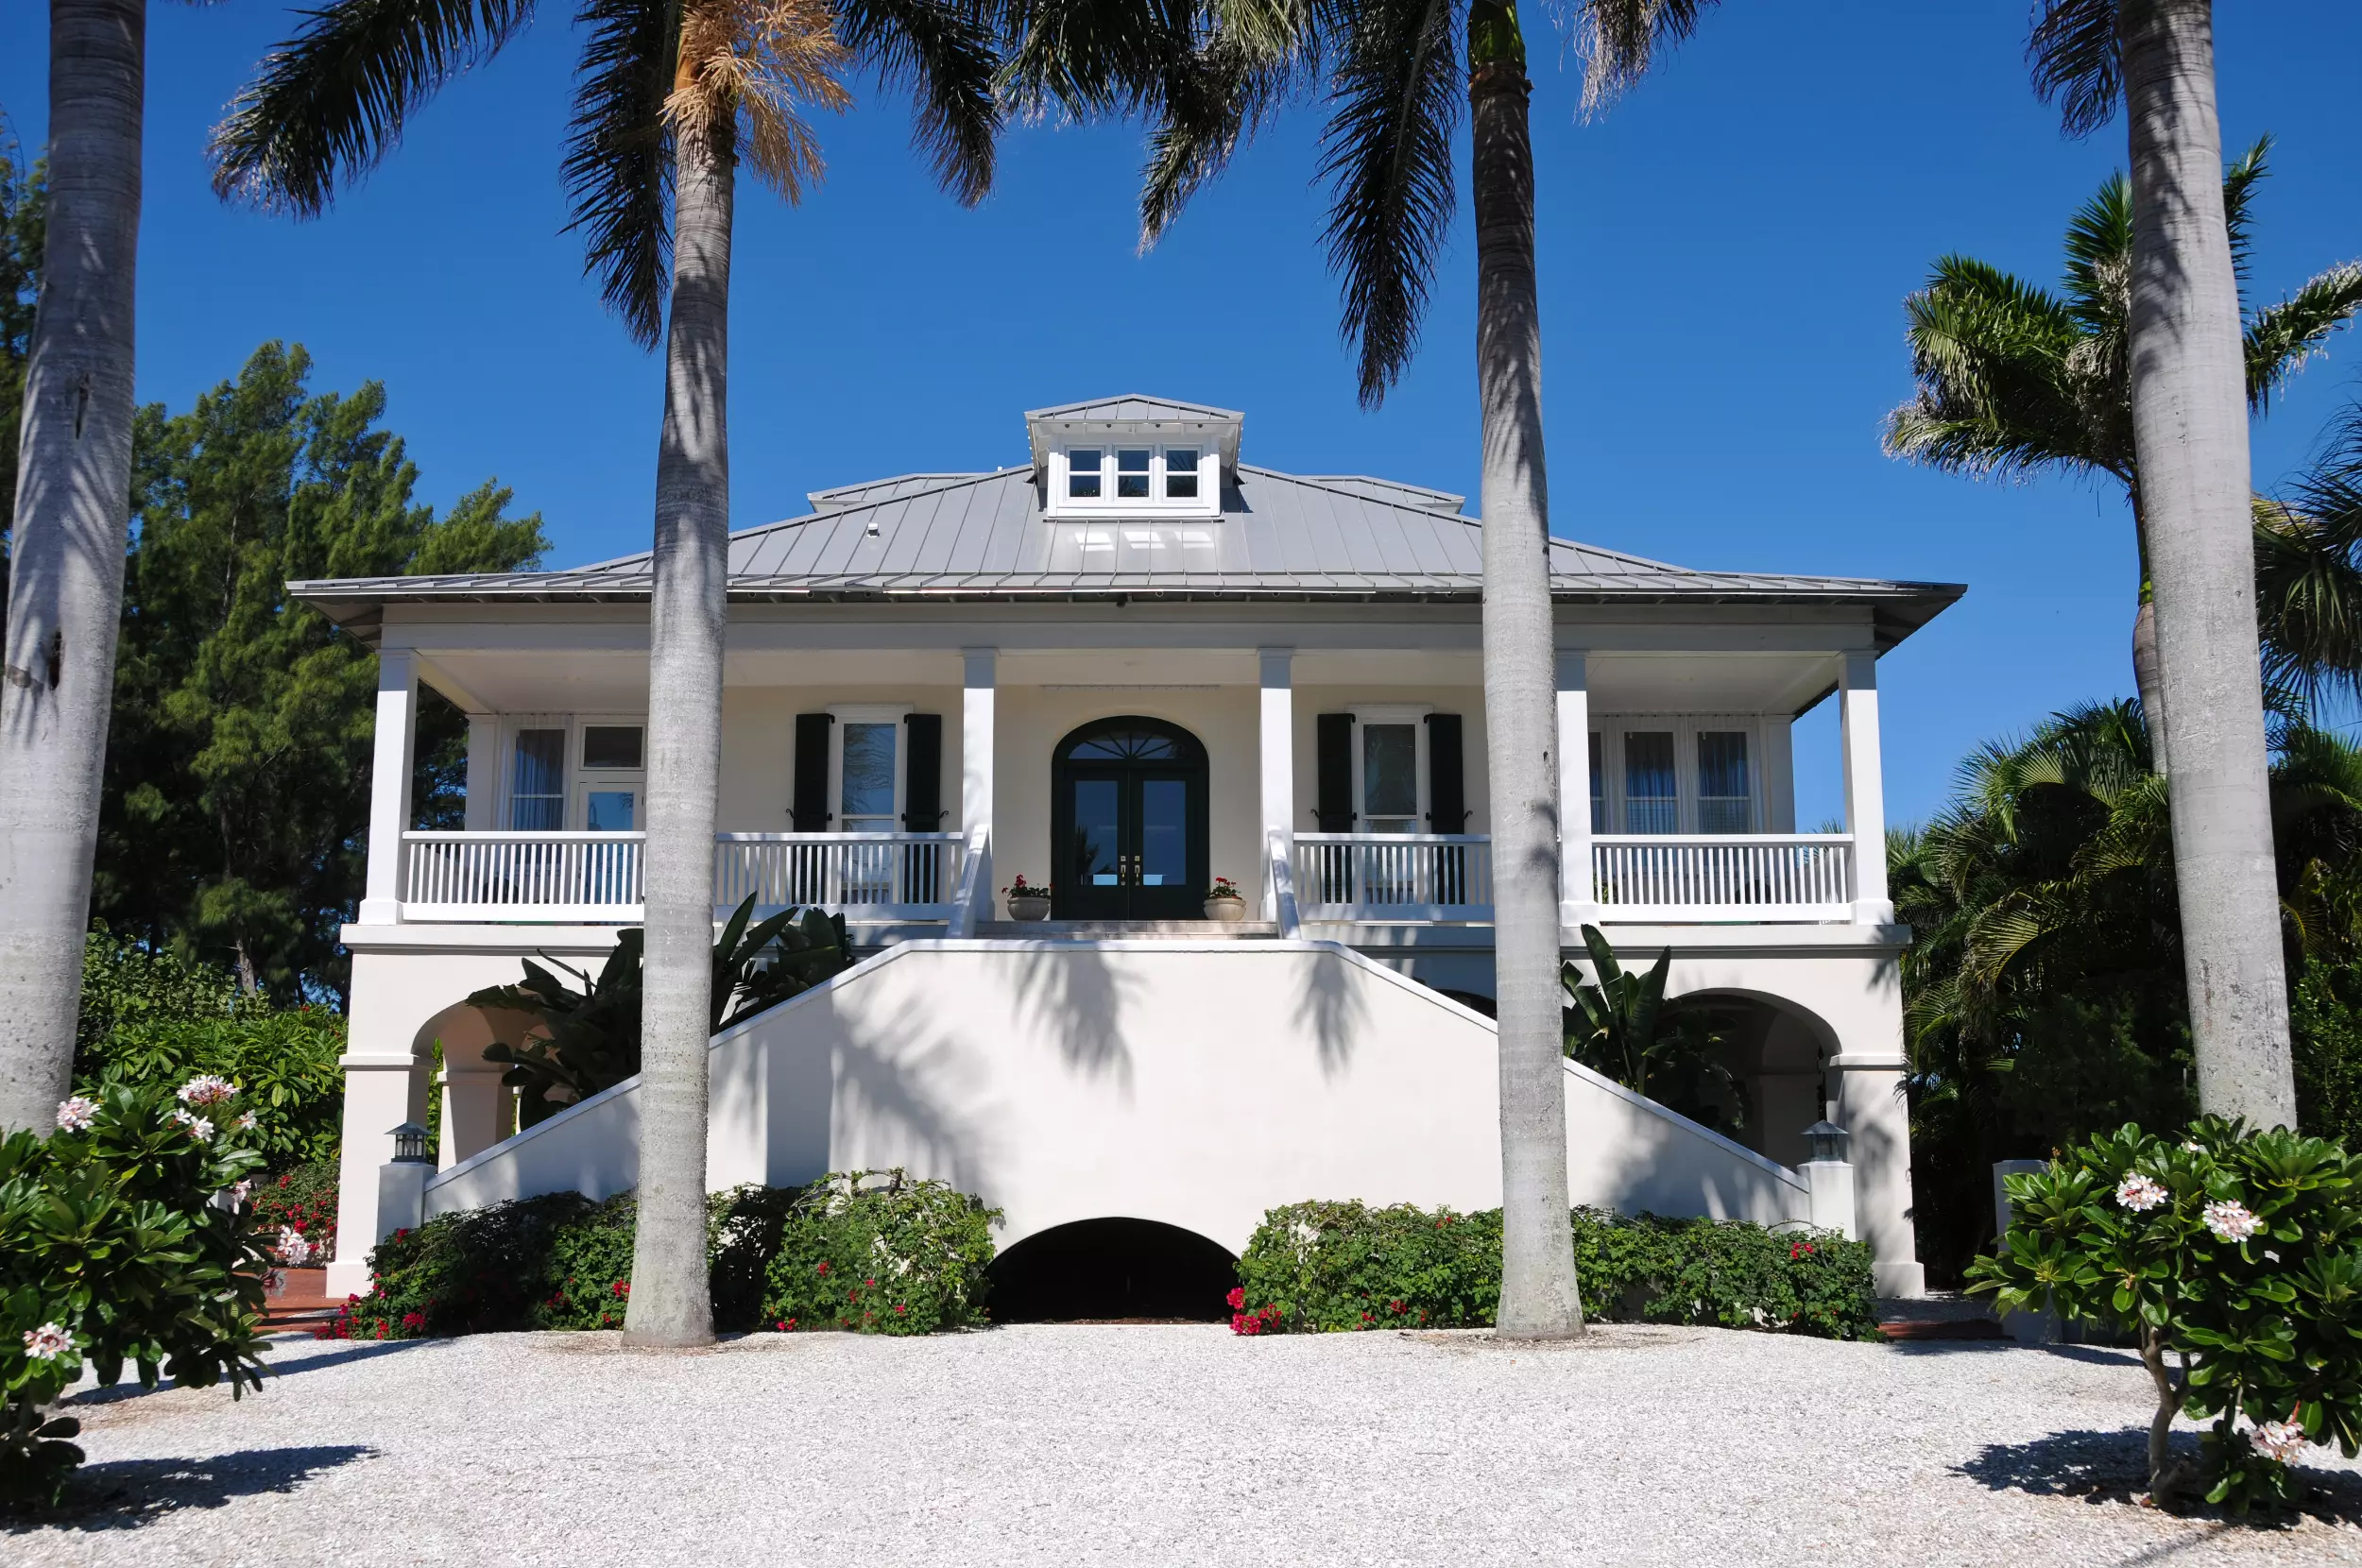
x: 1152, y: 1445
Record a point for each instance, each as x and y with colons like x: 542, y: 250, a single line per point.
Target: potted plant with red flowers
x: 1224, y: 902
x: 1027, y: 901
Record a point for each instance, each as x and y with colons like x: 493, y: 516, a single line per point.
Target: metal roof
x: 1279, y: 537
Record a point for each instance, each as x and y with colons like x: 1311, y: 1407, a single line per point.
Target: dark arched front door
x: 1127, y: 813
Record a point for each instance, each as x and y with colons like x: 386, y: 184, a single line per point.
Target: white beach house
x: 1125, y: 667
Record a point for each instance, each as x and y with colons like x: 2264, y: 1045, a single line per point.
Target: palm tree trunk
x: 1539, y: 1297
x: 671, y: 1298
x: 73, y: 517
x: 2145, y: 679
x: 2190, y: 428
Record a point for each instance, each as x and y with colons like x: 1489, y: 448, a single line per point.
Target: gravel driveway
x: 1055, y: 1445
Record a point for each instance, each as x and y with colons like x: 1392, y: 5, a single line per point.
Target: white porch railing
x: 1766, y: 877
x: 595, y: 877
x: 1394, y: 875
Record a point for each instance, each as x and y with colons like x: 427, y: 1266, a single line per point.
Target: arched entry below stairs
x: 1779, y: 1052
x: 1112, y: 1267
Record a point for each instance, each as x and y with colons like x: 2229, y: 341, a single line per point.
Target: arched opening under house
x: 1112, y: 1268
x: 1776, y: 1052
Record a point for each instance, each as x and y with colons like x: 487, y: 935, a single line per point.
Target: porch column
x: 1577, y: 904
x: 1865, y: 791
x: 978, y: 675
x: 484, y: 772
x: 1868, y: 1088
x: 1278, y: 749
x: 389, y: 787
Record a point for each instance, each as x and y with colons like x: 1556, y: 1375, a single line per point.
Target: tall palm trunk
x: 670, y: 1299
x: 2146, y: 679
x: 2189, y: 424
x: 1539, y: 1297
x: 66, y: 555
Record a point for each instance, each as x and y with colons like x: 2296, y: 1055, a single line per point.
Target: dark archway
x: 1128, y: 822
x: 1112, y: 1268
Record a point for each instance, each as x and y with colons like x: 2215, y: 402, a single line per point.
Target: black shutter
x: 811, y: 810
x: 922, y: 776
x: 1447, y: 777
x: 1333, y: 788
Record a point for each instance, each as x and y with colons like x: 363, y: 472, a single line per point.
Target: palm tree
x: 1395, y: 72
x: 70, y: 533
x: 2156, y: 58
x: 2308, y: 573
x: 671, y: 96
x: 2015, y: 380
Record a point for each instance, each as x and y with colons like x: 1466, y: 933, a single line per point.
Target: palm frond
x: 2099, y: 259
x: 2308, y: 577
x: 747, y: 70
x: 1998, y: 390
x: 1386, y: 153
x: 2249, y: 170
x: 619, y: 164
x: 1213, y: 101
x: 945, y: 54
x: 1090, y: 58
x: 327, y: 104
x: 2075, y: 61
x: 2280, y: 338
x: 1617, y: 40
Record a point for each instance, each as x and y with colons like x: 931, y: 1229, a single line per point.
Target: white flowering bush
x: 113, y: 1251
x: 2236, y: 1254
x: 877, y: 1253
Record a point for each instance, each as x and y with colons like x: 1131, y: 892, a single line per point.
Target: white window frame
x: 1413, y: 715
x: 575, y: 774
x: 1207, y: 504
x: 897, y: 714
x: 1758, y: 727
x: 582, y: 778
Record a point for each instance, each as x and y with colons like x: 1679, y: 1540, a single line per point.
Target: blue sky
x: 1722, y: 262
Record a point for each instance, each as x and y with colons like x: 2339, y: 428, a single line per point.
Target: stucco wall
x: 759, y: 746
x: 1193, y: 1085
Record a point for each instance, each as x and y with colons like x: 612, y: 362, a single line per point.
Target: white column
x: 1865, y: 791
x: 385, y: 1083
x: 389, y: 787
x: 1577, y: 905
x: 978, y: 677
x: 484, y: 772
x: 1868, y: 1088
x: 1278, y: 747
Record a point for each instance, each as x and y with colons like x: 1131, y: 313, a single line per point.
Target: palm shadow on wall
x: 1330, y: 1004
x: 1071, y: 993
x: 903, y: 1075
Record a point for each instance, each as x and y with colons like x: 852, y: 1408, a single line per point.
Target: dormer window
x: 1156, y: 479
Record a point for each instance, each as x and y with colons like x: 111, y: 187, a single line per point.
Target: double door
x: 1134, y: 840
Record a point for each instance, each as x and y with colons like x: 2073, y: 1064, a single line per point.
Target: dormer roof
x: 1134, y: 414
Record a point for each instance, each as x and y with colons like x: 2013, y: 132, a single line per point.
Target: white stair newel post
x: 1865, y: 797
x: 1277, y: 744
x: 1578, y: 902
x: 389, y: 785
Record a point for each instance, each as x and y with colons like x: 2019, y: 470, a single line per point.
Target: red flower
x: 869, y: 1282
x: 824, y: 1268
x: 1237, y: 1296
x: 901, y: 1309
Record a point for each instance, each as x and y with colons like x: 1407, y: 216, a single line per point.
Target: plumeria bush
x: 877, y: 1253
x: 1317, y: 1267
x: 123, y: 1240
x: 2237, y: 1255
x: 285, y: 1063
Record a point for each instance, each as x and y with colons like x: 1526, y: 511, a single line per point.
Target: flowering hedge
x: 1324, y: 1265
x: 876, y: 1253
x: 302, y: 1200
x: 123, y: 1238
x: 561, y: 1261
x: 2239, y: 1252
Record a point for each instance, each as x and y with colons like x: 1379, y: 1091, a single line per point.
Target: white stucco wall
x: 1196, y: 1085
x: 759, y: 746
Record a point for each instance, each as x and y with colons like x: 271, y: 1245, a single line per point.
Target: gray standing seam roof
x: 1280, y: 536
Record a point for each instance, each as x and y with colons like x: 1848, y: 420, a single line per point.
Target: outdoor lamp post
x: 1828, y: 1141
x: 402, y: 1181
x: 410, y: 1145
x: 1829, y: 1177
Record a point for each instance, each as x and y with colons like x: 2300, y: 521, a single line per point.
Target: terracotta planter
x: 1029, y: 909
x: 1228, y: 911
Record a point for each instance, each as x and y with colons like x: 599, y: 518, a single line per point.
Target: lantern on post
x: 1827, y: 1140
x: 1829, y: 1177
x: 410, y: 1141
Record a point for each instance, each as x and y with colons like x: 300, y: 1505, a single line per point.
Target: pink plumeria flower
x: 199, y: 1127
x: 292, y: 1249
x: 2280, y: 1441
x: 2229, y: 1220
x: 47, y: 1342
x: 207, y: 1089
x: 2139, y: 1193
x: 76, y: 1115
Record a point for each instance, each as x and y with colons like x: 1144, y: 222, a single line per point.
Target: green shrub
x: 876, y: 1252
x: 2239, y: 1253
x: 303, y: 1200
x: 125, y: 986
x: 1319, y: 1266
x: 284, y: 1064
x: 112, y: 1249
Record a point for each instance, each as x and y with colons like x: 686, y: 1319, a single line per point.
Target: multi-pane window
x: 1390, y: 778
x: 1132, y: 465
x: 611, y: 745
x: 1083, y: 472
x: 1598, y: 788
x: 1180, y: 473
x: 1725, y: 804
x: 1652, y: 793
x: 866, y: 800
x: 537, y: 790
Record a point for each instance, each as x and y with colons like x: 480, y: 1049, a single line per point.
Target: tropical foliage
x: 2237, y: 1252
x: 1325, y: 1267
x: 876, y: 1252
x: 1621, y: 1028
x: 113, y: 1250
x: 2044, y: 996
x: 587, y: 1040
